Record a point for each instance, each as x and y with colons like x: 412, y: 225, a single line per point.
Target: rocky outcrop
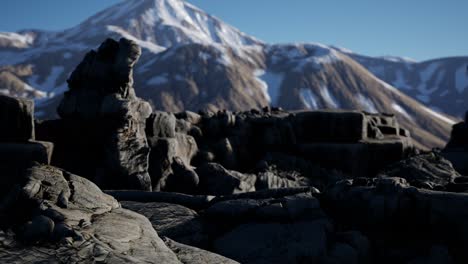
x: 101, y: 99
x: 61, y: 217
x: 457, y: 148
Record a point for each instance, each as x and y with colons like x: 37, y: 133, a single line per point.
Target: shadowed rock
x: 101, y: 99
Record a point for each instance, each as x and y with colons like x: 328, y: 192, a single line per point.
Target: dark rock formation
x: 103, y: 120
x: 457, y: 148
x: 404, y: 222
x: 18, y: 147
x: 17, y: 117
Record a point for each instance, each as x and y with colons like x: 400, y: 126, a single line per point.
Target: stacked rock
x: 18, y: 147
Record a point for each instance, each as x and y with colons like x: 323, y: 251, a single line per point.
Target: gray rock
x: 174, y: 221
x: 162, y: 153
x: 161, y: 125
x: 187, y: 147
x: 93, y: 227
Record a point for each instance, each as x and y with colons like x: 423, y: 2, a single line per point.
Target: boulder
x: 66, y: 218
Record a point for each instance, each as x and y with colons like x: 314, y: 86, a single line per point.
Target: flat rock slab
x: 193, y: 255
x: 27, y: 152
x: 174, y: 221
x: 298, y: 242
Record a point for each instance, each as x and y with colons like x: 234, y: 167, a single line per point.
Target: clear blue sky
x: 420, y: 29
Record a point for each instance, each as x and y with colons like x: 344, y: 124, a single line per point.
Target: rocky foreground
x: 261, y: 186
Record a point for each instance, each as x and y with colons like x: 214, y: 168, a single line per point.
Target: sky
x: 418, y: 29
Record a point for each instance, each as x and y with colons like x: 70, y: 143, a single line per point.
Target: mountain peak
x: 166, y: 23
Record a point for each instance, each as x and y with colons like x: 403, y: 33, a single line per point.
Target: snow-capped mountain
x: 193, y: 61
x: 441, y: 84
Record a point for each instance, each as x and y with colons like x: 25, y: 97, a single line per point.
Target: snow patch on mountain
x: 423, y: 98
x: 398, y: 59
x: 439, y: 116
x: 50, y: 83
x: 377, y: 70
x: 461, y: 79
x: 144, y: 44
x: 401, y: 110
x: 17, y: 40
x: 67, y: 55
x: 271, y: 84
x: 425, y: 76
x: 308, y: 98
x: 157, y: 80
x: 330, y: 100
x: 366, y: 103
x: 444, y: 93
x: 303, y: 55
x: 400, y: 81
